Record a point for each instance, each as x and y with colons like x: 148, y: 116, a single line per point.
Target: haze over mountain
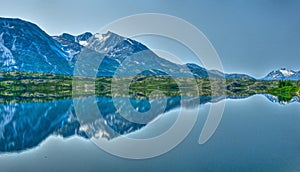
x: 25, y: 47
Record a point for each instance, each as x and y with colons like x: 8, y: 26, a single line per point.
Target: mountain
x: 239, y: 76
x: 283, y: 74
x: 72, y: 44
x: 135, y: 57
x: 204, y: 73
x: 197, y: 70
x: 25, y: 47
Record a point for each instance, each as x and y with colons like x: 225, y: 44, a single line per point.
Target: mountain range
x: 283, y: 74
x: 26, y: 47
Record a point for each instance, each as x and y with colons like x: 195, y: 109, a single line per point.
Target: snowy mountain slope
x: 283, y: 74
x: 25, y: 47
x: 116, y: 49
x: 72, y: 44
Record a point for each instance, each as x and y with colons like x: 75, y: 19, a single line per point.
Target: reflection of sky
x: 252, y: 37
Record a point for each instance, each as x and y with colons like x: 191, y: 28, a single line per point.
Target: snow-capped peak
x: 282, y: 74
x: 104, y: 43
x: 102, y: 37
x: 286, y: 72
x: 108, y: 35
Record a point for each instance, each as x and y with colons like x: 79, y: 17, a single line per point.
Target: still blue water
x: 255, y: 134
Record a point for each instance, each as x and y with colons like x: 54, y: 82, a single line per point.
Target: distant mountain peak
x: 72, y: 44
x: 287, y: 72
x: 103, y: 43
x: 283, y: 74
x: 67, y: 36
x: 108, y: 35
x: 114, y: 45
x: 83, y: 38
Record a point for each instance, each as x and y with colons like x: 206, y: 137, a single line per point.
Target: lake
x: 255, y: 134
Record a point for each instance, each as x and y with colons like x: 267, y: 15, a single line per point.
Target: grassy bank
x: 20, y: 86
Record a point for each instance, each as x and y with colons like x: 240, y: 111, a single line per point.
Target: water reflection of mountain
x: 26, y: 125
x: 281, y: 100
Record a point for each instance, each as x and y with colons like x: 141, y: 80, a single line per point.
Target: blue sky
x: 252, y: 37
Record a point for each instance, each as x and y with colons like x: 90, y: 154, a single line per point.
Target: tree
x: 284, y: 83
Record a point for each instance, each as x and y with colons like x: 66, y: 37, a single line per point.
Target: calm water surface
x: 255, y: 134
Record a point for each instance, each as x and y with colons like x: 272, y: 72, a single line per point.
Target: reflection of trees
x: 284, y: 99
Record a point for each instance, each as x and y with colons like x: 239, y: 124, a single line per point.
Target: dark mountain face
x: 68, y: 44
x: 197, y: 70
x: 83, y: 37
x: 72, y: 44
x: 25, y: 47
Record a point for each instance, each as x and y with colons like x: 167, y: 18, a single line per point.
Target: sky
x: 252, y: 37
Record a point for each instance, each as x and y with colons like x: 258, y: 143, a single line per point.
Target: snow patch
x: 6, y: 55
x: 72, y: 54
x: 6, y: 24
x: 118, y: 61
x: 83, y: 43
x: 46, y: 59
x: 286, y: 72
x: 130, y: 41
x: 13, y: 48
x: 102, y: 37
